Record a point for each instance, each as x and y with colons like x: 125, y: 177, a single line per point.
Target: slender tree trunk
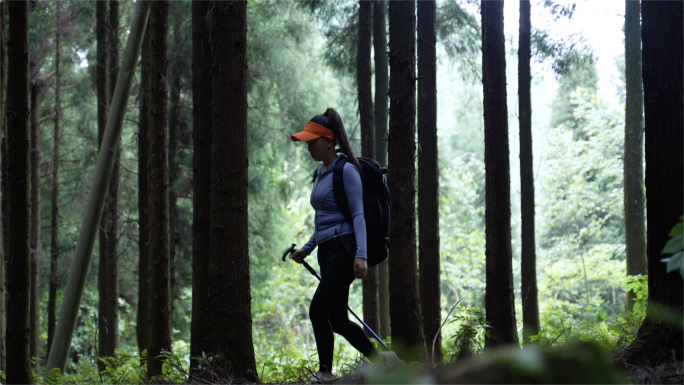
x: 3, y: 185
x: 68, y: 314
x: 142, y: 317
x: 105, y: 324
x: 499, y: 308
x: 174, y: 135
x: 365, y: 89
x: 34, y: 226
x: 230, y: 297
x: 18, y: 252
x: 405, y: 311
x: 201, y: 176
x: 428, y: 180
x: 158, y: 191
x: 528, y: 259
x: 635, y: 226
x: 54, y: 191
x: 112, y: 201
x: 660, y: 338
x: 381, y: 117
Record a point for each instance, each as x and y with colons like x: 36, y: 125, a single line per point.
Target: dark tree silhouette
x: 405, y: 313
x: 428, y: 179
x: 528, y: 255
x: 381, y: 116
x: 142, y: 329
x: 230, y: 318
x: 500, y: 312
x: 18, y: 251
x: 201, y: 176
x: 660, y: 337
x: 364, y: 83
x: 158, y: 191
x: 634, y: 197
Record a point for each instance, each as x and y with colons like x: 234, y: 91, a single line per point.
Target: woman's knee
x: 317, y: 310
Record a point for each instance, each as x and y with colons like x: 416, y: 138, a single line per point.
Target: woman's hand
x: 360, y: 268
x: 298, y: 255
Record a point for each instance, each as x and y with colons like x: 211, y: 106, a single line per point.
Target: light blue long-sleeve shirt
x: 329, y: 220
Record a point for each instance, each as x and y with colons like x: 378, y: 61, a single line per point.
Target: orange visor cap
x: 312, y: 131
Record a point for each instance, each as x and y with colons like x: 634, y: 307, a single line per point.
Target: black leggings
x: 328, y: 311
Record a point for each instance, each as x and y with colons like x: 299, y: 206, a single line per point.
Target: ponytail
x: 332, y: 120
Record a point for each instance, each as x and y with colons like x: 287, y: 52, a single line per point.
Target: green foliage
x: 467, y: 329
x: 339, y: 25
x: 462, y: 235
x: 459, y: 32
x: 675, y: 246
x: 127, y: 367
x: 580, y: 77
x: 562, y: 10
x: 560, y: 324
x: 577, y: 168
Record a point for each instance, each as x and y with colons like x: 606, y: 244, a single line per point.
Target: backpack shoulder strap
x: 338, y: 187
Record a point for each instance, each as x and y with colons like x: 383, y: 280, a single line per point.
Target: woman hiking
x: 341, y: 243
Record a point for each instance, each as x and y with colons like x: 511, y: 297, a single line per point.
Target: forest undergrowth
x: 553, y: 356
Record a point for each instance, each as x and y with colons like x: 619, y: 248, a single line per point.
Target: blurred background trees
x: 301, y: 57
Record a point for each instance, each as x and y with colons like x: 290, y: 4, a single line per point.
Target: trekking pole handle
x: 289, y: 251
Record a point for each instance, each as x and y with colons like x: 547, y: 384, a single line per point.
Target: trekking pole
x: 315, y: 274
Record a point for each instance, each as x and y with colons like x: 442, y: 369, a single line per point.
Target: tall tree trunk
x: 428, y: 180
x: 3, y: 184
x: 201, y: 177
x: 381, y: 117
x: 660, y: 337
x: 54, y: 182
x: 499, y: 308
x: 112, y: 200
x: 68, y: 314
x: 158, y: 191
x: 528, y: 258
x: 405, y: 311
x: 635, y: 226
x: 142, y: 317
x: 34, y: 226
x: 365, y: 89
x: 230, y: 298
x: 18, y: 252
x: 175, y: 68
x: 106, y: 329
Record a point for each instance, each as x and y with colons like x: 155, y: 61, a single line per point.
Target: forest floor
x: 670, y: 373
x: 481, y: 372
